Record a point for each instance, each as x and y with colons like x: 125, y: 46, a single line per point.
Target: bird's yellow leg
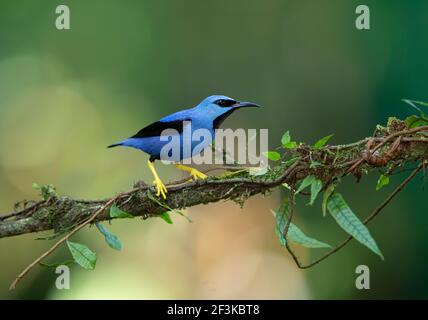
x: 196, y: 174
x: 160, y: 187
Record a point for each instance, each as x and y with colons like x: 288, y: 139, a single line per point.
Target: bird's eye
x: 225, y: 103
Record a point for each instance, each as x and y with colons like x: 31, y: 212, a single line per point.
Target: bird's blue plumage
x: 208, y: 114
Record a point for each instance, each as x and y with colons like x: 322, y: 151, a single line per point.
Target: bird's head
x: 218, y: 107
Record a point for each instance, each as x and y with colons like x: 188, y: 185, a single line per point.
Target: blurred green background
x: 65, y: 95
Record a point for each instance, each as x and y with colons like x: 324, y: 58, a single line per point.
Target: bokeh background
x: 65, y: 95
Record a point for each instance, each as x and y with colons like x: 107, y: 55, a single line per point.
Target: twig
x: 287, y: 227
x: 384, y: 141
x: 62, y: 240
x: 108, y: 203
x: 366, y: 221
x: 22, y: 211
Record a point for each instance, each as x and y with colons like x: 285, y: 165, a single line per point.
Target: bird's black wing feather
x: 156, y: 128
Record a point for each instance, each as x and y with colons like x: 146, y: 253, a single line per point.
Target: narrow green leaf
x: 55, y: 265
x: 272, y: 155
x: 305, y: 183
x: 349, y: 222
x: 297, y: 236
x: 165, y: 206
x: 286, y: 138
x: 415, y: 103
x: 111, y: 239
x: 291, y: 161
x: 321, y: 142
x: 82, y: 255
x: 294, y: 233
x: 326, y: 195
x: 165, y: 216
x: 316, y: 187
x: 382, y: 181
x: 115, y: 212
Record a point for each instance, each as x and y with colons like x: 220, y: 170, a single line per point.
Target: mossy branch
x: 390, y: 147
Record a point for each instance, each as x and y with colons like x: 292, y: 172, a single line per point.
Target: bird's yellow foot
x: 160, y: 187
x: 196, y: 174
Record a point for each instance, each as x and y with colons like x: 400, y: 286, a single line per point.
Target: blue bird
x: 209, y: 115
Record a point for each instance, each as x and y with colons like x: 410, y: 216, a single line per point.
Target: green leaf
x: 55, y: 265
x: 349, y: 222
x: 165, y: 206
x: 286, y: 138
x: 165, y: 216
x: 415, y: 121
x: 46, y: 191
x: 321, y: 142
x: 294, y: 233
x: 82, y: 255
x: 305, y: 183
x: 116, y: 213
x: 111, y: 239
x: 326, y: 195
x: 281, y: 220
x: 291, y: 161
x: 290, y: 145
x: 53, y: 236
x: 286, y: 141
x: 316, y: 187
x: 382, y: 181
x: 36, y: 186
x: 414, y: 104
x: 272, y: 155
x: 297, y: 236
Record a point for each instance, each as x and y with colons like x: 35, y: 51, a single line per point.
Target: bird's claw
x: 160, y: 187
x: 196, y: 174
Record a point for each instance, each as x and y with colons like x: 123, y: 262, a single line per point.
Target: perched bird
x: 209, y: 114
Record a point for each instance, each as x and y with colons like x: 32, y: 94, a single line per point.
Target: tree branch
x: 331, y: 162
x: 390, y: 147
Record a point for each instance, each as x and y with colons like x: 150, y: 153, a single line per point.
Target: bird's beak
x: 245, y: 105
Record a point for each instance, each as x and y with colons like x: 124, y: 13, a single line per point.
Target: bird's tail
x: 115, y: 145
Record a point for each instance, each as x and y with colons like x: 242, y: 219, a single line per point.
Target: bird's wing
x: 156, y: 128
